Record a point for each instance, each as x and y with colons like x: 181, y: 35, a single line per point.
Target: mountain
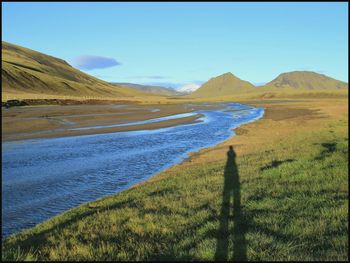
x: 189, y: 88
x: 25, y: 71
x: 306, y: 80
x: 223, y: 85
x: 157, y: 90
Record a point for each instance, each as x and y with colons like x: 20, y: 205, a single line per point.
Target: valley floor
x: 276, y: 191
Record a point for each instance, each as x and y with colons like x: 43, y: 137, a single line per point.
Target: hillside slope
x: 223, y: 85
x: 25, y: 71
x: 306, y: 80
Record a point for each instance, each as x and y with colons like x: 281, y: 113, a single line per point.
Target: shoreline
x: 241, y: 130
x: 191, y: 155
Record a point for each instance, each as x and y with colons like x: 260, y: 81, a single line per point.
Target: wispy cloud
x: 88, y: 62
x: 199, y: 82
x: 150, y: 77
x: 171, y: 85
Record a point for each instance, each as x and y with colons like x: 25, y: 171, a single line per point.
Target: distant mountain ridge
x: 158, y: 90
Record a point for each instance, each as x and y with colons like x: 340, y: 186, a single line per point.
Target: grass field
x: 280, y: 193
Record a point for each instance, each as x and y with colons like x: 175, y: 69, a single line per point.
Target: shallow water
x: 42, y: 178
x: 166, y: 118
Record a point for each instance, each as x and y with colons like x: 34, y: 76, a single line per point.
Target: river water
x: 44, y: 177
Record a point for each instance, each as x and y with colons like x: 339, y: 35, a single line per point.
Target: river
x: 44, y: 177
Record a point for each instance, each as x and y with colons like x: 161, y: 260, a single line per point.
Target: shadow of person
x: 231, y: 191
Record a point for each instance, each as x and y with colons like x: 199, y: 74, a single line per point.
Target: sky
x: 181, y: 44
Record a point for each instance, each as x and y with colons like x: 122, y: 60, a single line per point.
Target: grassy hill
x: 157, y: 90
x: 26, y: 72
x: 297, y: 84
x: 226, y: 84
x: 306, y: 80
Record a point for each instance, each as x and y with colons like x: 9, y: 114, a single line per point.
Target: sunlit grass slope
x: 223, y: 85
x: 26, y: 73
x: 288, y: 200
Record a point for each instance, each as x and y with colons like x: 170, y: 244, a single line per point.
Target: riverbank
x: 289, y: 190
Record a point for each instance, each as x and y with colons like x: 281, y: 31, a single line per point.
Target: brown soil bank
x: 20, y: 123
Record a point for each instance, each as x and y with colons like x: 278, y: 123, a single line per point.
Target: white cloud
x: 93, y: 62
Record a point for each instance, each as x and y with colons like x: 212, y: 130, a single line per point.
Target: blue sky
x: 175, y: 44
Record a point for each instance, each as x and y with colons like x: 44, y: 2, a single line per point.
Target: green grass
x: 293, y: 206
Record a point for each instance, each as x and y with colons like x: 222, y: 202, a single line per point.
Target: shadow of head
x: 276, y: 163
x: 329, y: 148
x: 231, y: 153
